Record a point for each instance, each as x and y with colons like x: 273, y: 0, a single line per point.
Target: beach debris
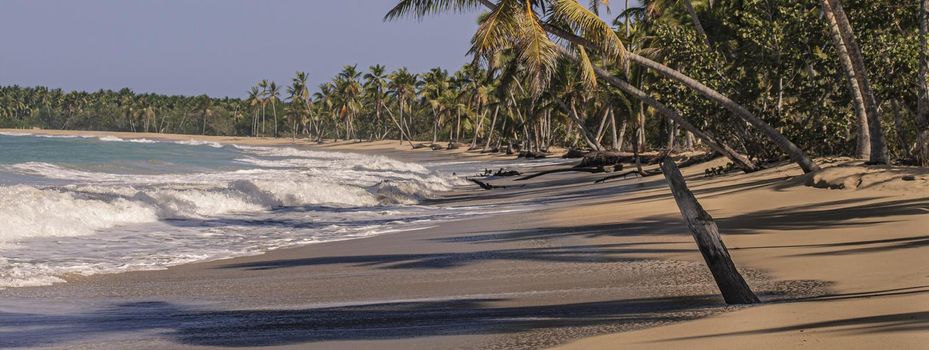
x: 500, y: 173
x: 593, y: 170
x: 720, y: 170
x: 574, y: 153
x: 532, y: 155
x: 488, y: 186
x: 605, y: 158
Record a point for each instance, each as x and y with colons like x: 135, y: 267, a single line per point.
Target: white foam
x: 28, y: 212
x: 98, y: 222
x: 193, y: 142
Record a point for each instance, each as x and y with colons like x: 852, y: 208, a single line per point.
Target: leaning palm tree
x: 526, y: 26
x: 523, y: 26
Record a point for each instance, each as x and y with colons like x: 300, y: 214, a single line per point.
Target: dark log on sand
x: 574, y: 153
x: 706, y: 234
x: 645, y: 173
x: 596, y: 159
x: 563, y: 170
x: 488, y: 186
x: 532, y: 155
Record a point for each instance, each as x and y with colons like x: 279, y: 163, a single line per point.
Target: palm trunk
x: 622, y: 136
x: 705, y: 232
x: 863, y: 147
x: 572, y: 111
x: 615, y: 140
x: 603, y: 120
x: 786, y: 146
x: 878, y: 154
x: 274, y: 110
x: 701, y: 34
x: 739, y: 160
x: 480, y: 127
x: 922, y: 110
x: 493, y: 123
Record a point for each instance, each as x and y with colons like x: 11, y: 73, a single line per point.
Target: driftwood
x: 488, y: 186
x: 595, y: 159
x: 645, y: 173
x: 532, y: 155
x: 574, y: 153
x: 563, y: 170
x: 501, y: 173
x: 705, y: 232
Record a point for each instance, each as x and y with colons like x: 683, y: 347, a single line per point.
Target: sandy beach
x: 565, y: 263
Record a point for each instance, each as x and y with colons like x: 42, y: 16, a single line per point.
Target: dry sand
x: 838, y: 269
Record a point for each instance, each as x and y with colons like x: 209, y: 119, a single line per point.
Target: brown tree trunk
x: 878, y: 154
x: 741, y: 161
x: 922, y: 110
x: 701, y: 34
x: 705, y: 232
x: 863, y: 146
x: 590, y: 139
x: 786, y: 146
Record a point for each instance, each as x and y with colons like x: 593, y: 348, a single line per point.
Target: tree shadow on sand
x: 240, y: 328
x: 601, y: 253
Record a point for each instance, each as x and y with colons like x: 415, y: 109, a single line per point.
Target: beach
x: 564, y: 263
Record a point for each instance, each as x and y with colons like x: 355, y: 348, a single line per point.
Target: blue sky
x: 217, y: 47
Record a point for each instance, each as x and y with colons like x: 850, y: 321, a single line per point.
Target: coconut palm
x: 526, y: 25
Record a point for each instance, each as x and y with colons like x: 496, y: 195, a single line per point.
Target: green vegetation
x: 755, y: 80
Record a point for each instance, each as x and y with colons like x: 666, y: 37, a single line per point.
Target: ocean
x: 88, y: 205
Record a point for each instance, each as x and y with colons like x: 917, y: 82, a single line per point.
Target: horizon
x: 94, y: 45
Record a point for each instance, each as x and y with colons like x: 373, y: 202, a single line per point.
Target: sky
x: 215, y: 47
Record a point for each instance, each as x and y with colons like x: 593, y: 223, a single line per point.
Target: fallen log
x: 645, y: 173
x: 594, y: 159
x: 488, y: 186
x: 563, y: 170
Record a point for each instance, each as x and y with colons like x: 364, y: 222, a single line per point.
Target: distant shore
x: 578, y: 262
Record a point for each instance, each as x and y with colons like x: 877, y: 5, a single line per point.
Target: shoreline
x: 593, y: 260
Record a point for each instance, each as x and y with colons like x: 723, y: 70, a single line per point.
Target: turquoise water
x: 76, y: 205
x: 146, y: 157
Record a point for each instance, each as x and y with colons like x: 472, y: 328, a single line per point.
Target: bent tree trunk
x: 878, y: 144
x: 705, y: 232
x: 738, y: 159
x: 863, y: 147
x: 785, y: 145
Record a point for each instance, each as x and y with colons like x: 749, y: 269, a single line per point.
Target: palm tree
x: 274, y: 97
x: 435, y: 88
x: 299, y: 98
x: 518, y: 24
x: 852, y: 60
x: 375, y: 88
x: 402, y: 87
x: 254, y: 100
x: 349, y: 91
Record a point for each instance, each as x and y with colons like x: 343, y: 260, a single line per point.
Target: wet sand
x: 576, y: 264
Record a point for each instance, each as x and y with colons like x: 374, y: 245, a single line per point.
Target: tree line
x: 755, y: 80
